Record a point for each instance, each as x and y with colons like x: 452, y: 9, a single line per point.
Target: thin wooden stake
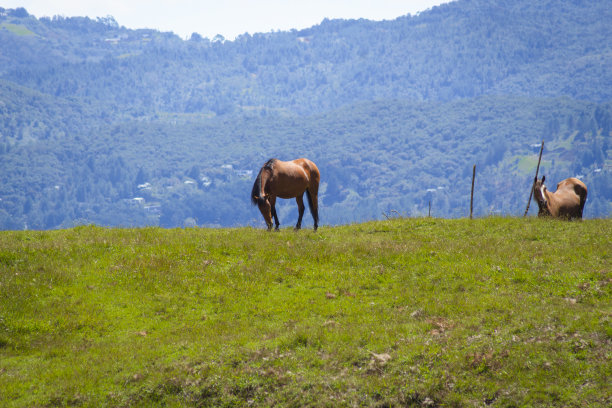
x: 534, y: 179
x: 429, y: 212
x: 472, y: 195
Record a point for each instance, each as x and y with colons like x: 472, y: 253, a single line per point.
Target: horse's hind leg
x: 300, y: 203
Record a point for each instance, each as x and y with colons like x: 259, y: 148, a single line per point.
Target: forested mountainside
x: 458, y: 50
x: 108, y: 125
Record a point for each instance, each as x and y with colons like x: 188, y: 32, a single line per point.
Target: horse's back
x: 287, y: 179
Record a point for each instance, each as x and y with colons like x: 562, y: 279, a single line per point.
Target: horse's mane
x: 269, y: 165
x: 257, y: 185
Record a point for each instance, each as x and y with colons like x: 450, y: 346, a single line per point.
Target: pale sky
x: 229, y: 18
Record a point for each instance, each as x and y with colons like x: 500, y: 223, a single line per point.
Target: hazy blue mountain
x: 103, y: 124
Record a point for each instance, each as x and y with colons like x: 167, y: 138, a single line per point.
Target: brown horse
x: 286, y: 180
x: 567, y: 202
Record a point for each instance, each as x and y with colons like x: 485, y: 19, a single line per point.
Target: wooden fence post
x: 472, y: 194
x: 534, y: 179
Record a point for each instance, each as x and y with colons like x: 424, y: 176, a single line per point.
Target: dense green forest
x: 107, y: 125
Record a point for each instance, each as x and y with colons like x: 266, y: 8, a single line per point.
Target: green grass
x: 403, y: 312
x: 528, y: 164
x: 16, y: 29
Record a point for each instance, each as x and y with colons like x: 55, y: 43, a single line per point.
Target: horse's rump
x: 576, y: 186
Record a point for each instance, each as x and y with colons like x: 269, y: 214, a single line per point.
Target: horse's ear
x: 543, y: 178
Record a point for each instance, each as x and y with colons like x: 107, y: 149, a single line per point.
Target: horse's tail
x: 312, y: 192
x: 314, y: 210
x: 582, y: 193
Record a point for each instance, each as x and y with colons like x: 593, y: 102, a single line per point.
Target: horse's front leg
x: 300, y: 202
x: 273, y: 205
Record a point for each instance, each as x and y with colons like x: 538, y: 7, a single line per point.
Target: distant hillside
x: 457, y: 50
x: 94, y: 115
x: 375, y: 158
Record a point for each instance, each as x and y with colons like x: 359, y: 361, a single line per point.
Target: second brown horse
x: 567, y: 202
x: 286, y: 180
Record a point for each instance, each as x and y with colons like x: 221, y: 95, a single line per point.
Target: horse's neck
x: 265, y: 175
x: 551, y: 202
x: 544, y: 205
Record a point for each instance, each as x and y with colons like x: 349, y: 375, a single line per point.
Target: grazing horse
x: 567, y: 202
x: 286, y: 180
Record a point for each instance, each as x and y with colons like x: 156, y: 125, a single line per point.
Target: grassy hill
x: 402, y: 312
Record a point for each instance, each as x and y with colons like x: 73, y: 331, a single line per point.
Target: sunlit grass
x: 16, y: 29
x: 393, y: 313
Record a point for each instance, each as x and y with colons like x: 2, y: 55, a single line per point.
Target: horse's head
x: 265, y: 208
x: 539, y: 193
